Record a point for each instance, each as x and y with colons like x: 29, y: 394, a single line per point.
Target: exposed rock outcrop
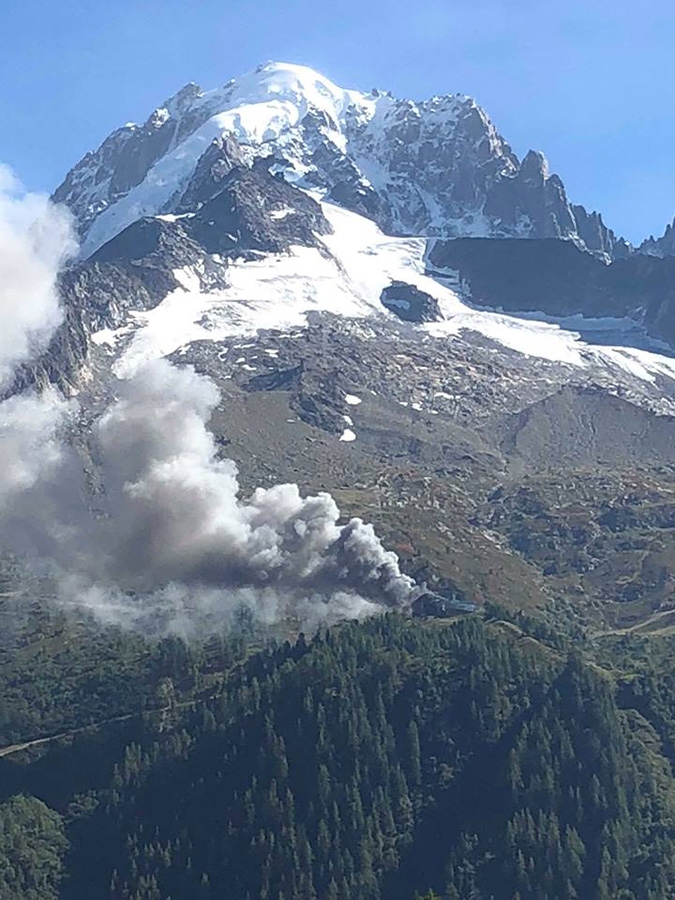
x: 663, y: 246
x: 559, y: 279
x: 410, y: 304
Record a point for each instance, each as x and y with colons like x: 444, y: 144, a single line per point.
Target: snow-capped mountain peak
x: 433, y: 168
x: 300, y: 86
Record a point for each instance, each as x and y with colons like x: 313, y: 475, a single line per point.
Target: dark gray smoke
x: 175, y: 532
x: 176, y: 515
x: 172, y: 545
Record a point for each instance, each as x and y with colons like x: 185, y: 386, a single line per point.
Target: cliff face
x: 560, y: 280
x: 663, y: 246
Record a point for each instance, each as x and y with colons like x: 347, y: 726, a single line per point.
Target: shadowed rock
x: 410, y: 303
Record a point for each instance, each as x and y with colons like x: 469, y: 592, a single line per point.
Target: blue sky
x: 591, y: 87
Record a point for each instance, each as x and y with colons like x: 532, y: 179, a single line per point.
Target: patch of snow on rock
x: 347, y: 436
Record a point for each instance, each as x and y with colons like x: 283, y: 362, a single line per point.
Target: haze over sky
x: 590, y: 84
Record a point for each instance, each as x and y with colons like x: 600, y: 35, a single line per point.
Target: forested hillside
x: 377, y: 760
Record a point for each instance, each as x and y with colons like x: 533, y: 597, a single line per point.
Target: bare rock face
x: 223, y: 155
x: 559, y: 279
x: 124, y: 159
x: 253, y: 212
x: 256, y: 211
x: 663, y: 246
x: 166, y: 243
x: 62, y: 364
x: 446, y: 149
x: 596, y: 236
x: 410, y: 304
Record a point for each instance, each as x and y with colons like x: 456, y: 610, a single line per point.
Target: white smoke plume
x: 30, y: 443
x: 171, y: 544
x: 35, y: 239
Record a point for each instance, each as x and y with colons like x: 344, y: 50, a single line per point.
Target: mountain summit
x: 433, y: 168
x: 281, y: 200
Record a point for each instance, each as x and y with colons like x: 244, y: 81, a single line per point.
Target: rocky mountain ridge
x: 434, y: 168
x: 663, y: 246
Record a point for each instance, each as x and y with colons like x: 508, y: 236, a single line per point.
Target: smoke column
x: 171, y: 545
x: 175, y: 546
x: 35, y: 239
